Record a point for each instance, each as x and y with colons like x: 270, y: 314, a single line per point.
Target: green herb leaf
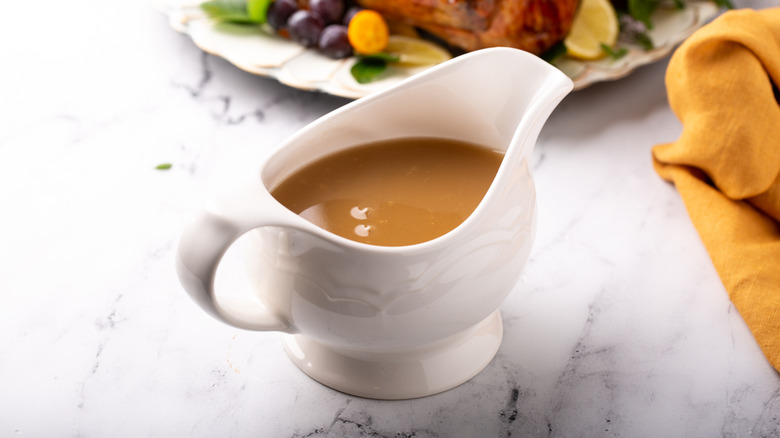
x: 554, y: 52
x: 612, y: 53
x: 381, y: 56
x: 164, y: 166
x: 644, y: 40
x: 237, y: 11
x: 642, y: 10
x: 258, y: 10
x: 368, y: 69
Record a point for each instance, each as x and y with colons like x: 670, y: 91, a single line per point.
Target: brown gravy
x: 392, y: 193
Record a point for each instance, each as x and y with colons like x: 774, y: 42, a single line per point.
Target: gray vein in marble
x: 358, y: 423
x: 223, y: 113
x: 769, y: 421
x: 518, y: 411
x: 589, y: 374
x: 737, y: 423
x: 110, y: 321
x: 508, y: 415
x: 205, y: 77
x: 103, y: 324
x: 258, y: 114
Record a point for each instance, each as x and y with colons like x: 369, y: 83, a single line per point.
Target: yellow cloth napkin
x: 722, y: 84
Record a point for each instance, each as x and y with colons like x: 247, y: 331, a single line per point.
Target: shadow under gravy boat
x: 388, y: 322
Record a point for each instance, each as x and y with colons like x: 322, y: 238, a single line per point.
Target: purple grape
x: 305, y: 27
x: 330, y: 10
x: 334, y: 42
x: 350, y: 13
x: 279, y: 12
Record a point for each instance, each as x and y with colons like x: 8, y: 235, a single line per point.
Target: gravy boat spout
x: 389, y: 322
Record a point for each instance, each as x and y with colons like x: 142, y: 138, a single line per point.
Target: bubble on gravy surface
x: 395, y: 192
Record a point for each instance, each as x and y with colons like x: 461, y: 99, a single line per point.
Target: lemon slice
x: 416, y: 52
x: 595, y: 23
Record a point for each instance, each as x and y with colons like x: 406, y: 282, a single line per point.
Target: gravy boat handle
x: 203, y: 244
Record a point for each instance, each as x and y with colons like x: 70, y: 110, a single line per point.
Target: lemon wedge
x: 595, y: 23
x: 415, y: 51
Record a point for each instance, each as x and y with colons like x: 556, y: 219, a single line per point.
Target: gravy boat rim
x: 539, y: 108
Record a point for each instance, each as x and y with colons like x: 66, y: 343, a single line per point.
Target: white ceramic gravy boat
x: 389, y: 322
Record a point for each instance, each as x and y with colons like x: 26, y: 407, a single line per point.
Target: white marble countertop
x: 620, y: 326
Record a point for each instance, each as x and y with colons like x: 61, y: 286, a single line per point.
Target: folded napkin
x: 723, y: 85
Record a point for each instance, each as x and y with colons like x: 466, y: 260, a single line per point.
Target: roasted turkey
x: 530, y: 25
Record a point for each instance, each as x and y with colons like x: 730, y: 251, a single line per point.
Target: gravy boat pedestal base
x: 422, y: 372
